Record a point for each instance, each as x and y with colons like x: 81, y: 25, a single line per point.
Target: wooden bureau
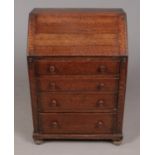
x: 77, y: 64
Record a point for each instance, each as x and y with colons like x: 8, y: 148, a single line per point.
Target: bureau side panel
x: 121, y: 96
x: 32, y: 81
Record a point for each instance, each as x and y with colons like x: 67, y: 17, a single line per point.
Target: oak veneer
x: 77, y: 64
x: 77, y: 123
x: 77, y: 102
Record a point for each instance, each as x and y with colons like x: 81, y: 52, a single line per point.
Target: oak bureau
x: 77, y: 64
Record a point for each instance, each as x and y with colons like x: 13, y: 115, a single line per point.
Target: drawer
x: 77, y: 67
x: 76, y: 102
x: 76, y: 123
x: 77, y: 84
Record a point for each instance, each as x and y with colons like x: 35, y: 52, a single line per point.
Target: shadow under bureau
x: 77, y: 64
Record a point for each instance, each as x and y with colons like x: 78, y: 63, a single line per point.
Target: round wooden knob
x: 51, y: 69
x: 100, y: 103
x: 102, y: 69
x: 53, y: 103
x: 54, y: 124
x: 99, y: 124
x: 101, y: 86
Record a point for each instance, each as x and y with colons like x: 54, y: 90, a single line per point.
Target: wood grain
x: 77, y: 102
x: 102, y: 32
x: 73, y: 67
x: 75, y: 39
x: 77, y: 84
x: 76, y: 123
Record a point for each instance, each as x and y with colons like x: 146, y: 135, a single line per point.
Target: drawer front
x: 77, y: 84
x: 74, y: 102
x: 76, y: 123
x: 74, y: 67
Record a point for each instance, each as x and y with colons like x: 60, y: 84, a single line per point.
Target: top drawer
x: 77, y: 67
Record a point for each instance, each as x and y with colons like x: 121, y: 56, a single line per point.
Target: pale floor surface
x: 25, y: 147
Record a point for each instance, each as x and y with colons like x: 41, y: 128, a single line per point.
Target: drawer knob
x: 51, y: 69
x: 102, y: 69
x: 54, y: 124
x: 53, y: 103
x: 52, y: 85
x: 101, y: 86
x: 100, y: 103
x: 99, y: 124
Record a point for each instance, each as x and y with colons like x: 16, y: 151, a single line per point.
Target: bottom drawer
x: 76, y: 123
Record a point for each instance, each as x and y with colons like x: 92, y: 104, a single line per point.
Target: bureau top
x: 77, y: 32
